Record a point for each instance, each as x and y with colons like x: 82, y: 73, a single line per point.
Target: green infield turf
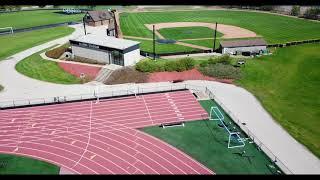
x: 13, y: 164
x: 36, y: 67
x: 180, y: 33
x: 12, y: 44
x: 25, y: 19
x: 147, y: 45
x: 207, y: 142
x: 274, y: 28
x: 287, y: 84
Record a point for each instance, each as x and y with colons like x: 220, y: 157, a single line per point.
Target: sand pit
x: 228, y: 31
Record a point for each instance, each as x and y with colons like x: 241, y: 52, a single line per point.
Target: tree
x: 312, y: 13
x: 42, y: 6
x: 295, y: 11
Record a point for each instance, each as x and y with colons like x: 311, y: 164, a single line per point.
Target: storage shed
x: 252, y: 46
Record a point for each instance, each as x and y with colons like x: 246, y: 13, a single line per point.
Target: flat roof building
x: 106, y: 49
x: 239, y: 46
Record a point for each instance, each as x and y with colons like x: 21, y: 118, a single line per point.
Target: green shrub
x: 220, y: 70
x: 224, y: 59
x: 170, y: 66
x: 1, y: 88
x: 147, y: 66
x: 188, y: 63
x: 212, y: 61
x: 204, y: 63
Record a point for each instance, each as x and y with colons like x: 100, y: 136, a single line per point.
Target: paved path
x: 240, y: 102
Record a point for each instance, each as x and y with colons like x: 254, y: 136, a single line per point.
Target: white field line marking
x: 88, y: 137
x: 147, y: 109
x: 177, y: 150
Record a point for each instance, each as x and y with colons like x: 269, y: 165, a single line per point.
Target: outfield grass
x: 188, y: 32
x: 25, y: 19
x: 147, y: 45
x: 207, y: 143
x: 36, y: 67
x: 203, y: 42
x: 12, y: 164
x: 287, y: 83
x: 274, y: 28
x: 12, y: 44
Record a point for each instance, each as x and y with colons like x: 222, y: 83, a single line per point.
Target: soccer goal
x: 6, y: 30
x: 234, y: 140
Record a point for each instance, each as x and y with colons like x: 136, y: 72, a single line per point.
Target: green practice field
x: 287, y: 83
x: 24, y: 19
x: 274, y: 28
x: 12, y: 164
x: 207, y: 142
x: 180, y: 33
x: 147, y: 45
x: 18, y: 42
x: 36, y: 67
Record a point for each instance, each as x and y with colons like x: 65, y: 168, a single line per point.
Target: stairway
x: 103, y: 74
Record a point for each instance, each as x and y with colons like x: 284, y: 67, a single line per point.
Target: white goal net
x: 6, y: 30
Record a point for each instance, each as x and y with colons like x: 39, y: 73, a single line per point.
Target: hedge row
x: 180, y: 65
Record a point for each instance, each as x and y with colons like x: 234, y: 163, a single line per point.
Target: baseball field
x: 273, y: 28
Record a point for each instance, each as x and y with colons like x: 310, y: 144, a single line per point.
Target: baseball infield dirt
x: 228, y: 31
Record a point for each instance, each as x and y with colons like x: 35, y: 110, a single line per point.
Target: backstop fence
x: 137, y: 90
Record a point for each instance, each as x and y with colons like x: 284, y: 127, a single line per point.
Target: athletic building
x: 106, y: 49
x: 252, y: 46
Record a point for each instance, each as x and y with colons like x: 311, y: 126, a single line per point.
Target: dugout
x: 251, y: 46
x: 106, y: 49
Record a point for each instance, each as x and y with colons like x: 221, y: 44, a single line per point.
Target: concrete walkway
x: 243, y: 105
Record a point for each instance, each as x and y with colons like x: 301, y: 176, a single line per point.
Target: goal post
x: 6, y: 30
x: 234, y: 139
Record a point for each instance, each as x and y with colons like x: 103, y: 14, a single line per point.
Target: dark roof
x: 100, y: 15
x: 243, y: 43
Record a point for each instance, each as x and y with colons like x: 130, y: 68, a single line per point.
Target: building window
x: 117, y: 58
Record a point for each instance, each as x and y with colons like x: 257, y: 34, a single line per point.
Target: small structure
x: 106, y: 49
x: 98, y: 18
x: 251, y: 46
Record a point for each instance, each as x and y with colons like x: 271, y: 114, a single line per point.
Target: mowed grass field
x: 206, y: 142
x: 36, y: 67
x: 287, y: 84
x: 274, y: 28
x: 13, y: 164
x: 147, y: 45
x: 24, y: 19
x: 179, y: 33
x: 11, y: 44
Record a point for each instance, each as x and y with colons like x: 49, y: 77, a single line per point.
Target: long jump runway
x: 91, y: 137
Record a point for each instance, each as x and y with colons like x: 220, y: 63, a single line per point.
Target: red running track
x: 101, y: 138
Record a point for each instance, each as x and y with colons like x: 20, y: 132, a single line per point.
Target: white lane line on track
x: 88, y: 137
x: 145, y: 104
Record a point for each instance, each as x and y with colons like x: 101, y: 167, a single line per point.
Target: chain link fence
x: 137, y: 90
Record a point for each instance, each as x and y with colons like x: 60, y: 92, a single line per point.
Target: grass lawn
x: 287, y: 83
x: 188, y: 32
x: 24, y: 19
x: 36, y: 67
x: 12, y: 44
x: 207, y: 143
x: 12, y: 164
x: 147, y: 45
x: 203, y: 42
x: 274, y: 28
